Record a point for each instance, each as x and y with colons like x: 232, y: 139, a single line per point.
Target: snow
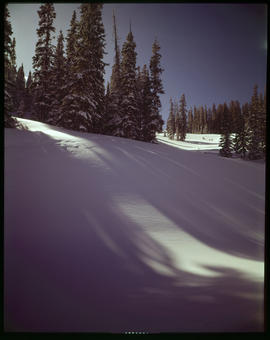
x: 194, y: 142
x: 106, y: 234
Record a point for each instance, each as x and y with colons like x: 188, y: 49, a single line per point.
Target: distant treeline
x: 247, y: 124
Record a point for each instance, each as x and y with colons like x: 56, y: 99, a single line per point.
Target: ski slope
x: 106, y: 234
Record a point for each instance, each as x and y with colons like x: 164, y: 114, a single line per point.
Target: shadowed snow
x: 106, y: 234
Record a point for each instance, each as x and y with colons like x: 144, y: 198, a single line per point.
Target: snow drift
x: 105, y: 234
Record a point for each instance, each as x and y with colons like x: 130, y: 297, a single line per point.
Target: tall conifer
x: 129, y: 128
x: 42, y: 63
x: 156, y: 82
x: 225, y: 140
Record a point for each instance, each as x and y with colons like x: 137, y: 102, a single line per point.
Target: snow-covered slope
x: 209, y: 142
x: 105, y: 234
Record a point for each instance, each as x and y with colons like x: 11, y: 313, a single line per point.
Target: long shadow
x: 76, y: 263
x: 234, y: 218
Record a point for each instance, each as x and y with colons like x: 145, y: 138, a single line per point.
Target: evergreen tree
x: 254, y: 129
x: 9, y: 80
x: 240, y: 139
x: 220, y: 109
x: 171, y: 122
x: 59, y: 72
x: 262, y: 123
x: 83, y: 106
x: 28, y: 96
x: 113, y: 117
x: 42, y: 64
x: 205, y: 123
x: 149, y: 120
x: 214, y: 119
x: 156, y: 83
x: 69, y: 106
x: 20, y: 90
x: 225, y: 140
x: 129, y: 128
x: 177, y: 123
x: 235, y: 110
x: 71, y: 39
x: 190, y: 121
x: 196, y: 121
x: 183, y: 118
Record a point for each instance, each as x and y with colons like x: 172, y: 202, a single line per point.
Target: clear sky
x: 211, y: 52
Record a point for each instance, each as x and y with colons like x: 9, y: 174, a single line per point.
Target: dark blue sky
x: 211, y: 52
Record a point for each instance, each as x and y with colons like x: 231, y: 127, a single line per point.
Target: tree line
x: 242, y: 127
x: 67, y: 87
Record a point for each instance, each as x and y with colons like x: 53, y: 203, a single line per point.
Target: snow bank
x: 105, y: 234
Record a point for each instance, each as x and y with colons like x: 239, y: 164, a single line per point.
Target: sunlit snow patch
x: 186, y: 252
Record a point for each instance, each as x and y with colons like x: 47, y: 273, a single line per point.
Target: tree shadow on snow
x: 84, y: 265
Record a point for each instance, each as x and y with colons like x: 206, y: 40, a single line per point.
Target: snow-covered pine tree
x: 262, y: 122
x: 20, y: 90
x: 183, y: 117
x: 225, y: 139
x: 59, y: 72
x: 156, y: 83
x: 254, y: 128
x: 83, y: 106
x: 240, y: 139
x: 113, y: 113
x: 71, y: 41
x: 129, y: 128
x: 9, y: 79
x: 42, y: 64
x: 171, y: 122
x: 69, y: 107
x: 150, y: 120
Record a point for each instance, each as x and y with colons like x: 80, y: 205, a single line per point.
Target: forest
x: 67, y: 89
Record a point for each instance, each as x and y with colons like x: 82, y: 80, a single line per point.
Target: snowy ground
x: 105, y: 234
x: 194, y: 142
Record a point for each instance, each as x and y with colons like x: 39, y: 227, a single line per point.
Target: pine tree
x: 28, y: 96
x: 72, y: 36
x: 42, y: 64
x: 254, y: 147
x: 20, y: 90
x: 225, y: 140
x: 262, y: 123
x: 83, y: 106
x: 205, y: 122
x: 240, y: 139
x: 149, y: 118
x: 156, y: 83
x: 196, y: 121
x: 9, y: 79
x: 113, y: 117
x: 59, y: 72
x: 183, y: 117
x: 190, y: 121
x: 220, y: 109
x: 171, y: 122
x: 129, y: 129
x: 69, y: 107
x: 214, y: 119
x: 177, y: 123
